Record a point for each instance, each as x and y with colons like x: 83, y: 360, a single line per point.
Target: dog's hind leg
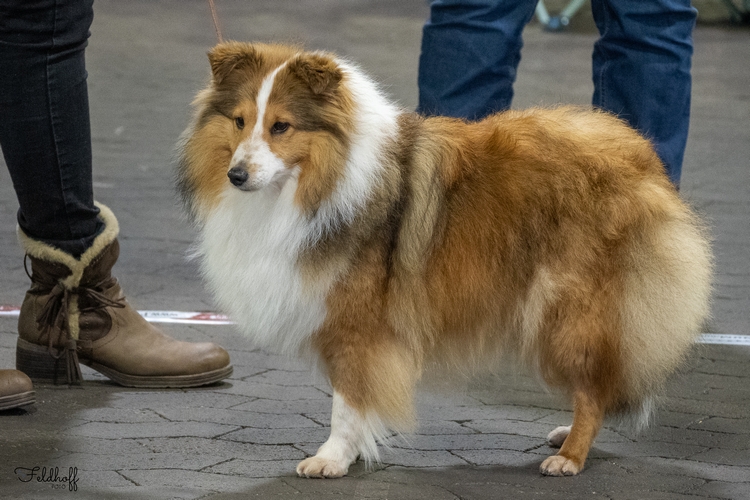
x: 557, y: 437
x: 588, y: 415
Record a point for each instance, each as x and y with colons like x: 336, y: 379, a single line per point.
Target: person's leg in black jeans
x: 75, y: 310
x: 44, y: 119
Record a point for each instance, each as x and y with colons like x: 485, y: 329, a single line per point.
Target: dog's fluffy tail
x: 667, y: 294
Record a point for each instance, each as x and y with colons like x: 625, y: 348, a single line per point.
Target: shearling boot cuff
x: 48, y: 253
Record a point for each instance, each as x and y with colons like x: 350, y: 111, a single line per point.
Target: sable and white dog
x: 383, y: 244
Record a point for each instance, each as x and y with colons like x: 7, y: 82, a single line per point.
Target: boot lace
x: 53, y: 319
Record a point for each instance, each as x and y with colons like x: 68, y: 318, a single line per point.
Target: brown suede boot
x: 15, y: 390
x: 75, y: 311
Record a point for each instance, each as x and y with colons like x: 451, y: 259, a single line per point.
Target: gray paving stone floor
x: 243, y: 438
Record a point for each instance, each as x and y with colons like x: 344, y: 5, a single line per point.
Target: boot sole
x: 40, y: 366
x: 162, y: 381
x: 17, y: 400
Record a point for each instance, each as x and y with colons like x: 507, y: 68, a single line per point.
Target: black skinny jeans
x: 45, y: 131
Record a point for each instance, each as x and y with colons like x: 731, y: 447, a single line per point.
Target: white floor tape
x: 724, y: 339
x: 186, y: 318
x: 208, y: 318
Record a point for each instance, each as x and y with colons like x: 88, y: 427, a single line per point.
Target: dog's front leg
x: 350, y: 432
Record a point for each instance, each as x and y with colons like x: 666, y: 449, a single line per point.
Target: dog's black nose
x: 237, y: 176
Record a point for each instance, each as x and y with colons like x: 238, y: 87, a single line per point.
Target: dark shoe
x: 75, y: 311
x: 15, y: 390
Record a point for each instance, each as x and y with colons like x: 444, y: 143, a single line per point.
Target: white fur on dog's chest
x: 250, y: 245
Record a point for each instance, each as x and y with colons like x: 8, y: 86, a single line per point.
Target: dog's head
x: 271, y: 113
x: 281, y: 103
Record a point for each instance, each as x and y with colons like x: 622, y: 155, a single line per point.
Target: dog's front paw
x: 321, y: 467
x: 558, y: 465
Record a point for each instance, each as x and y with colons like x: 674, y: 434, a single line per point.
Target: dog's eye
x: 279, y: 127
x: 240, y: 122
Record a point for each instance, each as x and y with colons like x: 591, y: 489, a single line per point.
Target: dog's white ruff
x: 251, y: 241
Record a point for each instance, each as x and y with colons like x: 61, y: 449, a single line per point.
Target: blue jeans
x: 641, y: 63
x: 44, y: 119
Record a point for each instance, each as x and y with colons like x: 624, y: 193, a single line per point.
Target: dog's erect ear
x: 320, y: 73
x: 227, y: 57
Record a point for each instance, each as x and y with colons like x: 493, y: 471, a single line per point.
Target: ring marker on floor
x: 209, y: 318
x: 724, y: 339
x: 182, y: 317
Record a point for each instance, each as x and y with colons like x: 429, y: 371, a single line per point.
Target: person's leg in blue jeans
x: 641, y: 70
x: 641, y: 64
x: 44, y: 119
x: 470, y: 52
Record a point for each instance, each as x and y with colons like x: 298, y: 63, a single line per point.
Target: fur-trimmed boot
x: 16, y: 389
x: 75, y: 311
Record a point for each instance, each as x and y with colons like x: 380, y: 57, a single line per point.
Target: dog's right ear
x: 229, y: 56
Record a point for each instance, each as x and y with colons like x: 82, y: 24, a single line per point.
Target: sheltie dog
x: 384, y: 245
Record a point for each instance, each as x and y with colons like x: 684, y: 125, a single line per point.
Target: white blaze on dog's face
x: 254, y: 165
